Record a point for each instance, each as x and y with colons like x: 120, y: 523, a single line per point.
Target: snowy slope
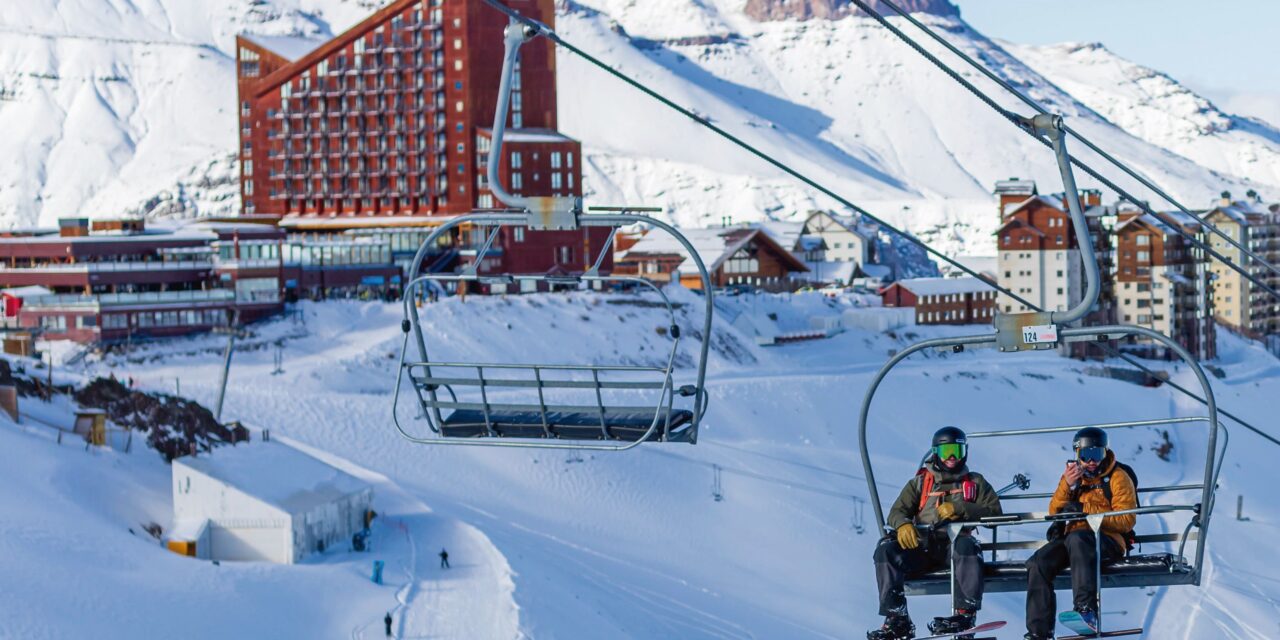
x: 1155, y: 107
x: 633, y: 545
x: 129, y: 106
x: 78, y: 564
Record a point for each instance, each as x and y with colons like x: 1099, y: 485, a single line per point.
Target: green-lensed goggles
x: 951, y: 450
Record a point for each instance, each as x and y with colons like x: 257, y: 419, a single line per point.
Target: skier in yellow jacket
x: 1094, y: 482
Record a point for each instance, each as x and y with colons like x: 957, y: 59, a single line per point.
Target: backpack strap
x: 968, y: 489
x: 926, y: 488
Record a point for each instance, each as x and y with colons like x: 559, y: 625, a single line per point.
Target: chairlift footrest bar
x: 584, y: 425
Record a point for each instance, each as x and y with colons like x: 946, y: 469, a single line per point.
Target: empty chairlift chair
x: 563, y: 405
x: 553, y: 405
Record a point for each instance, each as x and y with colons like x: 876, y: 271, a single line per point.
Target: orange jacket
x: 1124, y: 495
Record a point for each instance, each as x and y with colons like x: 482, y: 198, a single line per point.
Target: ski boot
x: 961, y: 621
x: 894, y: 628
x: 1089, y: 617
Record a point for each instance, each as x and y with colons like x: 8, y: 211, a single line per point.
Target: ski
x: 1104, y: 634
x: 1073, y: 621
x: 982, y: 628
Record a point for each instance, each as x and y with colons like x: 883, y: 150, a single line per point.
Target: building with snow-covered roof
x: 847, y: 238
x: 745, y: 255
x: 966, y: 300
x: 1039, y: 259
x: 264, y: 501
x: 1237, y: 302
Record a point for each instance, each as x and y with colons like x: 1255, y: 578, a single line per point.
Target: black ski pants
x: 1075, y: 550
x: 895, y: 564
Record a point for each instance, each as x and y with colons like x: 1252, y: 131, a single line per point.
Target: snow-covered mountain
x: 1155, y: 107
x: 129, y: 107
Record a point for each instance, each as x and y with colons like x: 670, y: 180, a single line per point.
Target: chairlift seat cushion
x: 627, y: 426
x: 1011, y: 575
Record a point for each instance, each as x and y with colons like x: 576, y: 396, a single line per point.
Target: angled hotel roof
x: 287, y: 47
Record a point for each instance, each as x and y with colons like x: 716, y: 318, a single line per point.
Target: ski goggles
x: 1091, y: 454
x: 951, y: 450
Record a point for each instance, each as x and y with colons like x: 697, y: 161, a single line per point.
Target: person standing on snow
x: 943, y: 489
x: 387, y: 621
x: 1095, y: 482
x: 444, y: 559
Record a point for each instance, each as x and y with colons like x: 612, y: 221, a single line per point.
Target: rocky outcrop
x: 766, y: 10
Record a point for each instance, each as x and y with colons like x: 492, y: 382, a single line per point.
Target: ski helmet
x: 1089, y: 437
x: 950, y: 436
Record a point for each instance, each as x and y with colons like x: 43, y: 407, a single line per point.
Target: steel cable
x: 554, y: 37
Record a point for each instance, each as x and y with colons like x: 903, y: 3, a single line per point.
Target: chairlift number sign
x: 1040, y: 334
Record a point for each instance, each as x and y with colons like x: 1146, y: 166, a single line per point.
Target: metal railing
x: 95, y: 267
x: 120, y: 299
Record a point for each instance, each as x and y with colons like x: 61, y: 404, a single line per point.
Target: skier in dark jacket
x: 944, y: 489
x: 387, y: 621
x: 444, y: 559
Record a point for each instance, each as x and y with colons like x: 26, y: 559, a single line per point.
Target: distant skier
x: 1093, y: 483
x: 943, y: 489
x: 444, y: 559
x: 387, y: 621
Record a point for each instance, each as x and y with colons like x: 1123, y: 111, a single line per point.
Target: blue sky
x: 1228, y: 50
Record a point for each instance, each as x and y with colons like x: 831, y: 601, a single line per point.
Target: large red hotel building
x: 384, y: 131
x: 351, y: 151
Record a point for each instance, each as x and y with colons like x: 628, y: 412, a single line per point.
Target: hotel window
x: 555, y: 159
x: 519, y: 234
x: 555, y: 181
x: 517, y: 181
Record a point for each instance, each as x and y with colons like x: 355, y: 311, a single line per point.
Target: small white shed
x: 264, y: 501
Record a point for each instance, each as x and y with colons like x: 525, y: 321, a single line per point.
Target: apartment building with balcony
x: 1162, y: 283
x: 1237, y: 302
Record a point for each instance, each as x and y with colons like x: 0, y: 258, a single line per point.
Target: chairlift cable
x: 1146, y: 208
x: 1087, y: 142
x: 701, y: 120
x: 555, y: 37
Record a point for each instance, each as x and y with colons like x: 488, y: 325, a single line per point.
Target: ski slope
x: 588, y: 545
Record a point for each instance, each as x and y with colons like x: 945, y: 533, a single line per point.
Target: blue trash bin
x: 377, y: 571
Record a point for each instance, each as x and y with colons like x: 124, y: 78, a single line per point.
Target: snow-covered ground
x: 591, y: 545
